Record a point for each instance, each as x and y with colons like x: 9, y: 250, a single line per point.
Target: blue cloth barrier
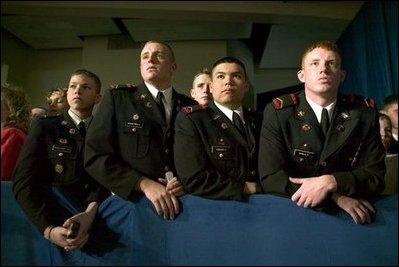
x: 262, y: 230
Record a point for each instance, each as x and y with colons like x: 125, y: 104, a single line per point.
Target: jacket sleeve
x: 273, y: 156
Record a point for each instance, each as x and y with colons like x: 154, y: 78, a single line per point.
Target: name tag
x: 59, y: 148
x: 133, y: 124
x: 220, y: 149
x: 303, y: 153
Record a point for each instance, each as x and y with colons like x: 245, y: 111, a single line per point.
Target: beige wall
x: 40, y: 70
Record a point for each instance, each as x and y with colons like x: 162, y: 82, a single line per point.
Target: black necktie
x: 238, y: 123
x: 325, y: 122
x: 82, y: 128
x: 159, y: 100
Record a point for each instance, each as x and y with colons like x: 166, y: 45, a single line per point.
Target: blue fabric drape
x: 261, y: 230
x: 369, y: 49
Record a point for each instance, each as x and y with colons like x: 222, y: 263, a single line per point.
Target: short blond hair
x: 15, y: 99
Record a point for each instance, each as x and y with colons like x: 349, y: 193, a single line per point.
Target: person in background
x: 57, y: 101
x: 200, y: 91
x: 390, y: 108
x: 38, y: 112
x: 216, y: 146
x: 49, y: 182
x: 15, y: 122
x: 318, y: 146
x: 391, y: 159
x: 129, y: 147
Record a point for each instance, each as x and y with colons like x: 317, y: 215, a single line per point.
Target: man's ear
x: 343, y: 75
x: 246, y: 86
x: 192, y: 93
x: 301, y: 75
x: 98, y: 98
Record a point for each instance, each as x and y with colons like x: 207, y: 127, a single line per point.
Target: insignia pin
x: 63, y: 141
x: 306, y: 127
x: 345, y: 115
x: 340, y: 128
x: 58, y: 168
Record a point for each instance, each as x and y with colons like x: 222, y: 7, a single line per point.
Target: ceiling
x: 275, y: 31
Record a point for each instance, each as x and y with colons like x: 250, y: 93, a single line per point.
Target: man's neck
x: 322, y: 100
x: 161, y: 86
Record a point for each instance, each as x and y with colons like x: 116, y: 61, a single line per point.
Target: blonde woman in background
x: 57, y: 101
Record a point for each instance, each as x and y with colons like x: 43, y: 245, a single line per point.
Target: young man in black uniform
x: 50, y: 182
x: 318, y: 144
x: 214, y: 157
x: 130, y: 144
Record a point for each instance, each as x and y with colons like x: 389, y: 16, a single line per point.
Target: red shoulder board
x: 369, y: 102
x: 356, y: 100
x: 191, y: 109
x: 285, y: 101
x: 127, y: 86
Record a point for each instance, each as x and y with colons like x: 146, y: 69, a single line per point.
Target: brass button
x: 221, y: 155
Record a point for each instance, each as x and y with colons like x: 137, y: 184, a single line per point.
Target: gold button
x: 221, y: 155
x: 60, y: 154
x: 134, y: 130
x: 253, y: 173
x: 323, y: 163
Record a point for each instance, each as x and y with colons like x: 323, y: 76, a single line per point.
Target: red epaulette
x: 285, y: 101
x: 356, y: 99
x: 126, y: 86
x: 191, y: 109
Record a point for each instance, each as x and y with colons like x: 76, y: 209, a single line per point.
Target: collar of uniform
x: 317, y: 109
x: 229, y: 113
x: 76, y: 120
x: 167, y: 93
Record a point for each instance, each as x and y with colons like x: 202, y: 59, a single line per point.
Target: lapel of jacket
x: 71, y: 130
x: 344, y: 122
x: 226, y: 125
x: 148, y: 104
x: 176, y: 105
x: 305, y: 127
x: 250, y: 127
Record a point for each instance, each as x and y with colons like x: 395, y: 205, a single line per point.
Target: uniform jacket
x: 12, y: 140
x: 52, y: 156
x: 212, y: 158
x: 291, y: 145
x: 129, y: 139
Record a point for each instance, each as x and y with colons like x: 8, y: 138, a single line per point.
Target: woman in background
x: 15, y: 121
